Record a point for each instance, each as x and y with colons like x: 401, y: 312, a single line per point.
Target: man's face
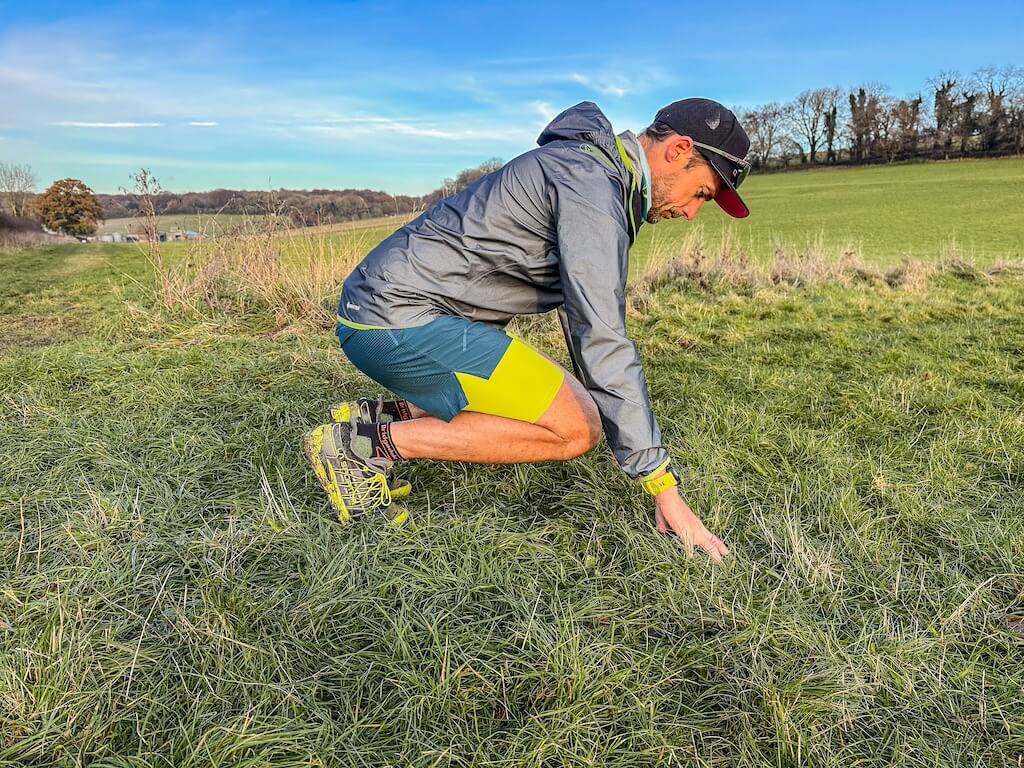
x: 681, y: 181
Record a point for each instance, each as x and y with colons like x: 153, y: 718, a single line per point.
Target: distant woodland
x: 305, y: 207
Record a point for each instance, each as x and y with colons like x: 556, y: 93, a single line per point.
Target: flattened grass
x: 174, y: 594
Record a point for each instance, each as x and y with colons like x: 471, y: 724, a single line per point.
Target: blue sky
x: 397, y: 96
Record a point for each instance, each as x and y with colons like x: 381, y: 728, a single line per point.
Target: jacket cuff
x: 660, y: 469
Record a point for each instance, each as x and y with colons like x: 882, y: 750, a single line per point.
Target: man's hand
x: 672, y: 514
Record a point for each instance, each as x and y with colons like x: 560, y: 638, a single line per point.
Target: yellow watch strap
x: 659, y: 484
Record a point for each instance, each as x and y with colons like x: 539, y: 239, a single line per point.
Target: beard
x: 657, y: 204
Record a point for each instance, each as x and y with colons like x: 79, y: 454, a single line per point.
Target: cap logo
x: 714, y: 122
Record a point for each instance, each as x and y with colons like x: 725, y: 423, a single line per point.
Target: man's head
x: 696, y: 149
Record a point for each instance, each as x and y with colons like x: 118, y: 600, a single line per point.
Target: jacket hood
x: 583, y: 122
x: 586, y: 123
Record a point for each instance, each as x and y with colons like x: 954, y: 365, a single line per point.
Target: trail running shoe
x: 354, y: 482
x: 366, y: 411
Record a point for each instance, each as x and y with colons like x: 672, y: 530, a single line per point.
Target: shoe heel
x: 401, y: 489
x: 341, y: 413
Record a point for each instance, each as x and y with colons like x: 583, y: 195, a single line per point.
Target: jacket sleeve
x: 593, y: 247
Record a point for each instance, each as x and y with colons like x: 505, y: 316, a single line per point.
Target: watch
x: 658, y: 484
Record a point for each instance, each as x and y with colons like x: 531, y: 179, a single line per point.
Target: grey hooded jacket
x: 551, y: 228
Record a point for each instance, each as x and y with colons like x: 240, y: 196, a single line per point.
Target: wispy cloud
x: 605, y: 87
x: 544, y: 110
x: 414, y: 106
x: 76, y: 124
x: 359, y: 127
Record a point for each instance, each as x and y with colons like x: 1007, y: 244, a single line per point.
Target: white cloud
x: 76, y: 124
x: 203, y: 123
x: 347, y: 128
x: 157, y: 162
x: 605, y: 87
x: 544, y: 110
x: 371, y: 119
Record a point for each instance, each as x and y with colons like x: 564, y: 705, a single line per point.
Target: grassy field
x: 887, y: 212
x: 972, y: 208
x: 173, y: 592
x: 225, y: 223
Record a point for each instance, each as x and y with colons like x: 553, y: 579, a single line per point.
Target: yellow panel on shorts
x: 522, y: 385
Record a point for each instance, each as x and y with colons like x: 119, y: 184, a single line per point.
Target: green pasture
x: 173, y: 591
x: 888, y: 213
x: 973, y: 209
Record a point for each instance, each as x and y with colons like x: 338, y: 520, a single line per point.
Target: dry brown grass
x: 911, y: 275
x: 16, y: 241
x: 727, y: 267
x: 296, y: 273
x: 266, y: 265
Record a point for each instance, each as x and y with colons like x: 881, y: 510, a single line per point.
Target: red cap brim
x: 730, y: 202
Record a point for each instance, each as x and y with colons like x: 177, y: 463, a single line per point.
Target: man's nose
x: 689, y: 211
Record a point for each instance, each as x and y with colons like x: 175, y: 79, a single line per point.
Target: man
x: 424, y: 312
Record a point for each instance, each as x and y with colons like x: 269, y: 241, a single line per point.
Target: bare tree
x: 788, y: 149
x: 765, y: 125
x: 865, y: 126
x: 468, y: 175
x: 16, y: 185
x: 906, y: 122
x: 996, y: 87
x: 956, y: 110
x: 885, y: 128
x: 808, y: 116
x: 1014, y: 106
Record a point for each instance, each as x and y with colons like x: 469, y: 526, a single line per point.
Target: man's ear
x: 680, y: 146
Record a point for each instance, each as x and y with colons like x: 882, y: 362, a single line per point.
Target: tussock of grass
x: 262, y: 266
x: 725, y: 267
x: 174, y: 593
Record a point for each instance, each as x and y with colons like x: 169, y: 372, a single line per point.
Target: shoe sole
x: 312, y: 444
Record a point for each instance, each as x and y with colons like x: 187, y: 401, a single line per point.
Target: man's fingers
x: 683, y: 537
x: 723, y: 549
x: 691, y: 536
x: 711, y: 544
x: 716, y: 550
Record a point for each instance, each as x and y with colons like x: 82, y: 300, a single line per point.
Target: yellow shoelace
x: 363, y: 492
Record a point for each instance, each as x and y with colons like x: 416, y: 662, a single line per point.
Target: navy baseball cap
x: 720, y: 139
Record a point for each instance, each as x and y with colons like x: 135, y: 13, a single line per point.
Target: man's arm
x: 593, y: 247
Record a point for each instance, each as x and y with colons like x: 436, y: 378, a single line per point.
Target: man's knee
x: 574, y: 419
x: 587, y: 433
